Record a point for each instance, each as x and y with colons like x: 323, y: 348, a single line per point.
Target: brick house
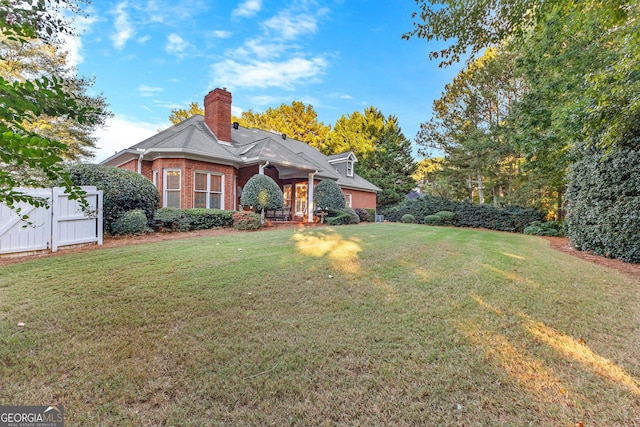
x: 204, y: 162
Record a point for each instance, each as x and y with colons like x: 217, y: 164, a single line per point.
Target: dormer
x: 343, y: 163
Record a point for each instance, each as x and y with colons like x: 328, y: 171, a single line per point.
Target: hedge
x: 466, y: 214
x: 174, y: 219
x: 603, y: 202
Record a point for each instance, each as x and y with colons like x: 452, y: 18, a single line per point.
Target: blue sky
x: 340, y: 56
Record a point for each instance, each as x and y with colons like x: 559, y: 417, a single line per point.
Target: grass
x: 377, y: 324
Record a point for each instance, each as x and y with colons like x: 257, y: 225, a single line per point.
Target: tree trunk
x: 480, y: 189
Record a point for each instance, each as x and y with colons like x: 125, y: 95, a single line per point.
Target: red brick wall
x: 188, y: 168
x: 361, y: 199
x: 131, y: 165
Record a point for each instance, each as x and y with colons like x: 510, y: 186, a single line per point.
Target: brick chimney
x: 217, y: 113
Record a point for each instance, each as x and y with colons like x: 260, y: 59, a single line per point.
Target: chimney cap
x: 236, y: 125
x: 284, y: 136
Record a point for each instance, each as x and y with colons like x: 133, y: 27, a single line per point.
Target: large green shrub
x: 132, y: 222
x: 603, y: 202
x: 123, y: 191
x: 262, y: 193
x: 328, y: 195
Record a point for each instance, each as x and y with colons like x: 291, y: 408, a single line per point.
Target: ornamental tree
x: 260, y: 193
x: 328, y: 195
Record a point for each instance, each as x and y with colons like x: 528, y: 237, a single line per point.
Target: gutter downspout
x: 310, y: 195
x: 140, y: 163
x: 261, y: 168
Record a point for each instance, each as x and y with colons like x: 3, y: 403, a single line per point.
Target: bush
x: 363, y: 214
x: 466, y: 214
x: 433, y: 220
x: 247, y: 221
x: 205, y: 219
x: 448, y: 218
x: 262, y: 193
x: 123, y: 191
x: 372, y: 214
x: 549, y: 228
x: 172, y: 219
x: 328, y: 195
x: 342, y: 217
x: 408, y: 219
x: 132, y: 222
x: 603, y: 202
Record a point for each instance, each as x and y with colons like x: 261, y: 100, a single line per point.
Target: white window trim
x: 348, y: 199
x: 290, y: 193
x: 164, y: 186
x: 208, y: 190
x: 155, y: 177
x: 350, y: 167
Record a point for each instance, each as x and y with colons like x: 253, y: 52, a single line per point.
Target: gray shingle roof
x: 248, y: 146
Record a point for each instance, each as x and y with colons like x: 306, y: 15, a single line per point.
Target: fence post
x: 54, y: 206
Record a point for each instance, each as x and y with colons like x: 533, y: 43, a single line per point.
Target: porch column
x: 310, y: 197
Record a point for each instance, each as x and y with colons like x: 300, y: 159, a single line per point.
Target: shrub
x: 363, y: 214
x: 247, y: 221
x: 433, y: 220
x: 123, y: 191
x: 204, y: 219
x: 372, y: 214
x: 466, y: 214
x: 342, y: 217
x: 549, y: 228
x: 448, y: 218
x: 603, y: 202
x: 172, y: 219
x: 408, y: 219
x: 328, y: 195
x: 261, y: 193
x: 132, y: 222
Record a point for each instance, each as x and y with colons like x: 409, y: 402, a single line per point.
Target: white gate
x: 63, y: 223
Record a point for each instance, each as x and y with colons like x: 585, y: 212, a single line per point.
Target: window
x: 171, y: 188
x: 347, y: 200
x: 155, y: 177
x: 208, y: 191
x: 287, y: 195
x: 301, y: 199
x: 349, y: 167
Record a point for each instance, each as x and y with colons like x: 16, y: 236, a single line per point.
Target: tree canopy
x: 30, y: 152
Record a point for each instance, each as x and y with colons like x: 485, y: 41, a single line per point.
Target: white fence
x: 63, y: 223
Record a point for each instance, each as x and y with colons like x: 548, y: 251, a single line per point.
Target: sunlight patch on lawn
x: 579, y: 352
x: 511, y: 276
x: 530, y: 373
x: 342, y: 253
x: 513, y: 255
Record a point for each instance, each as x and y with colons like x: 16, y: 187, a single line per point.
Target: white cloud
x: 263, y: 74
x: 221, y: 34
x: 289, y: 27
x: 145, y: 90
x: 73, y: 44
x: 247, y: 9
x: 175, y: 44
x: 123, y: 27
x: 122, y: 132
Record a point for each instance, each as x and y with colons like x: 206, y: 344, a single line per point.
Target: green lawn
x: 376, y: 324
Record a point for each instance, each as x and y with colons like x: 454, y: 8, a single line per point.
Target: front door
x: 301, y: 199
